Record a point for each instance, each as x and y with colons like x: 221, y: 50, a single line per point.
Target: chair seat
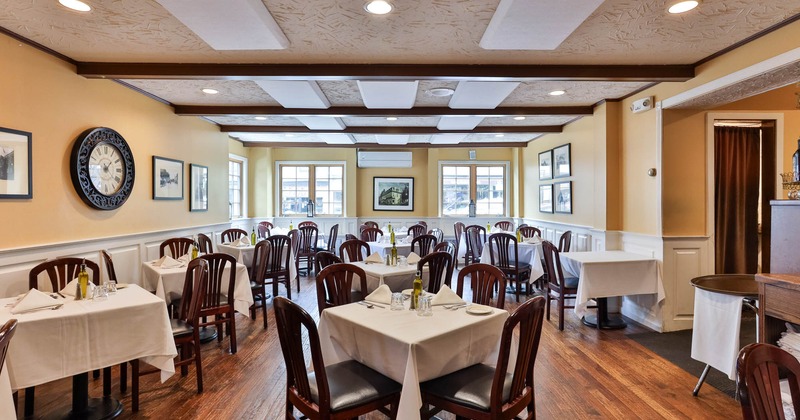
x: 471, y: 387
x: 571, y: 282
x: 521, y: 266
x: 180, y: 328
x: 352, y: 384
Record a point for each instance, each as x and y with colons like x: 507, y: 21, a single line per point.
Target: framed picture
x: 167, y: 179
x: 394, y: 194
x: 546, y: 198
x: 546, y: 165
x: 198, y: 187
x: 16, y: 167
x: 561, y: 162
x: 563, y: 196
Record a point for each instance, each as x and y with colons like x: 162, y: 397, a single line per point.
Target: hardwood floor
x: 580, y: 373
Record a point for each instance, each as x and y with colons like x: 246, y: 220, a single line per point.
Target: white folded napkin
x: 374, y: 258
x: 383, y: 294
x: 533, y: 240
x: 168, y: 262
x: 407, y: 239
x: 69, y: 289
x: 446, y: 296
x: 34, y: 300
x: 412, y: 258
x: 243, y: 241
x: 185, y: 258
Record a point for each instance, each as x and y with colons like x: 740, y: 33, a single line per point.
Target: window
x: 486, y: 184
x: 323, y: 182
x: 237, y: 185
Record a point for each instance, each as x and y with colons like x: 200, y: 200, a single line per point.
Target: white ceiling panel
x: 338, y: 138
x: 458, y: 123
x: 399, y: 139
x: 322, y: 123
x: 481, y: 95
x: 295, y: 93
x: 388, y: 95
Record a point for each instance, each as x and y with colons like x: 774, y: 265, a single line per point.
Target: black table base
x: 208, y: 334
x: 86, y: 408
x: 606, y: 323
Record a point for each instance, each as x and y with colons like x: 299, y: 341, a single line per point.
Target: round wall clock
x: 102, y: 170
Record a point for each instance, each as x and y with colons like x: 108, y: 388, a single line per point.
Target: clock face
x: 106, y: 168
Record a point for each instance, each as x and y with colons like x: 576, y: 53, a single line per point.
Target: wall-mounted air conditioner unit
x: 384, y: 159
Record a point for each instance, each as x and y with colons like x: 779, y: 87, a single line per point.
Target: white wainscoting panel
x: 684, y: 259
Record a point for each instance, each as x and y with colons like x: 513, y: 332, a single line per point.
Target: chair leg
x: 198, y: 365
x: 232, y: 330
x: 264, y: 311
x: 135, y: 385
x: 184, y: 353
x: 289, y: 286
x: 561, y: 312
x: 547, y: 299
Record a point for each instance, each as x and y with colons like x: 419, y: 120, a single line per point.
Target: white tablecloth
x: 86, y: 335
x: 408, y: 348
x: 396, y: 277
x: 244, y: 255
x: 168, y: 284
x: 385, y: 248
x: 530, y: 253
x: 715, y: 330
x: 611, y: 273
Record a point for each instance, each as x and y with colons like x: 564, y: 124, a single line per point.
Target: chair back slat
x: 178, y: 247
x: 485, y: 279
x: 423, y: 244
x: 503, y: 250
x: 110, y: 271
x: 371, y: 234
x: 529, y: 231
x: 307, y: 223
x: 232, y: 234
x: 61, y: 271
x: 335, y: 285
x: 439, y: 265
x: 417, y: 230
x: 504, y: 225
x: 354, y: 250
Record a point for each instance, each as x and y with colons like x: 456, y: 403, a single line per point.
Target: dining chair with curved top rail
x: 529, y: 232
x: 504, y: 254
x: 423, y: 245
x: 438, y: 233
x: 417, y: 230
x: 484, y: 280
x: 267, y: 224
x: 370, y: 224
x: 307, y: 223
x: 458, y: 230
x: 448, y: 247
x: 335, y: 285
x: 759, y: 368
x: 504, y: 225
x: 277, y: 270
x: 475, y: 237
x: 232, y: 234
x: 205, y: 244
x: 333, y: 235
x: 307, y: 249
x: 324, y: 259
x: 440, y: 265
x: 565, y: 241
x: 263, y: 231
x: 177, y: 247
x: 218, y: 299
x: 559, y: 287
x: 371, y: 234
x: 258, y: 274
x: 353, y: 250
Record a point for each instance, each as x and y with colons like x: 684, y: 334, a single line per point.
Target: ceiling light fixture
x: 378, y: 7
x: 520, y: 118
x: 261, y: 118
x: 499, y: 135
x: 75, y: 5
x: 683, y: 6
x: 441, y: 91
x: 209, y: 91
x: 557, y: 92
x: 391, y: 118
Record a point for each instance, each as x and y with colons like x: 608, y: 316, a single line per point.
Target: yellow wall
x: 43, y: 95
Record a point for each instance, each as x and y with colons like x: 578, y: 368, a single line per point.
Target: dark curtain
x: 736, y: 170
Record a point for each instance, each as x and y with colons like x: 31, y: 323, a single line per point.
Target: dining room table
x: 84, y: 335
x: 384, y: 248
x: 398, y: 277
x: 604, y: 274
x: 408, y: 348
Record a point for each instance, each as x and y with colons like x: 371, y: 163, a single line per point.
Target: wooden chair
x: 558, y: 287
x: 494, y: 392
x: 6, y: 333
x: 214, y: 303
x: 324, y: 259
x: 371, y: 234
x: 185, y: 329
x: 350, y: 237
x: 565, y: 241
x: 458, y: 230
x: 423, y: 244
x: 263, y: 231
x: 307, y: 223
x: 759, y: 369
x: 438, y: 233
x: 504, y: 225
x: 230, y: 235
x: 484, y: 279
x: 277, y: 270
x: 342, y: 390
x: 257, y: 275
x: 440, y: 264
x: 529, y: 231
x: 307, y: 249
x: 266, y: 224
x: 371, y: 224
x: 205, y: 244
x: 448, y: 247
x: 475, y: 238
x: 123, y: 367
x: 424, y: 224
x: 332, y: 236
x: 294, y: 244
x: 335, y: 285
x: 417, y: 230
x: 504, y: 254
x: 353, y: 250
x: 178, y: 247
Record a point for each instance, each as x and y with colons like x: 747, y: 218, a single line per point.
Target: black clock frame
x: 79, y: 168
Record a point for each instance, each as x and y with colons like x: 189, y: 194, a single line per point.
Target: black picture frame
x: 16, y: 164
x: 546, y: 165
x: 562, y: 197
x: 546, y: 198
x: 562, y: 162
x: 393, y: 194
x: 167, y: 178
x: 198, y: 187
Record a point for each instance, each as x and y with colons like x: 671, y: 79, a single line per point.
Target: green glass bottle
x: 416, y: 291
x: 291, y: 226
x: 253, y: 236
x: 519, y: 236
x: 83, y: 280
x: 195, y: 249
x: 394, y: 253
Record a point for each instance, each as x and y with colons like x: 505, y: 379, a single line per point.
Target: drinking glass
x: 424, y: 307
x: 100, y: 293
x: 397, y: 301
x: 111, y: 286
x: 402, y: 261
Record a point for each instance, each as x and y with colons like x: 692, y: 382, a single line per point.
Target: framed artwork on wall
x: 546, y: 198
x: 394, y: 194
x: 562, y: 167
x: 198, y: 187
x: 546, y: 165
x: 16, y: 168
x: 167, y: 179
x: 563, y: 196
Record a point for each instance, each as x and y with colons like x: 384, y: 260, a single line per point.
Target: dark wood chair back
x: 205, y: 244
x: 440, y: 264
x: 324, y: 259
x: 759, y: 368
x: 109, y: 263
x: 371, y: 234
x: 475, y: 238
x: 6, y: 333
x: 332, y: 236
x: 447, y: 247
x: 417, y: 230
x: 230, y: 235
x: 565, y: 241
x: 353, y: 250
x: 307, y: 223
x: 266, y: 224
x: 178, y: 247
x: 371, y: 224
x: 308, y: 241
x: 277, y: 270
x: 194, y: 291
x: 423, y: 244
x: 458, y: 230
x: 552, y: 265
x: 61, y: 271
x: 424, y: 224
x: 438, y: 233
x: 294, y: 241
x: 335, y: 285
x: 264, y: 231
x: 218, y: 299
x: 504, y: 225
x: 261, y: 260
x: 503, y: 250
x: 485, y: 279
x: 529, y: 231
x: 350, y: 237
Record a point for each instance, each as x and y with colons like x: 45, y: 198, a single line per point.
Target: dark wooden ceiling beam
x: 374, y: 146
x: 347, y: 111
x: 482, y: 72
x: 388, y: 130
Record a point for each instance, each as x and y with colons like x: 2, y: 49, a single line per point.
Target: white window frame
x: 278, y: 163
x: 243, y: 161
x: 506, y: 184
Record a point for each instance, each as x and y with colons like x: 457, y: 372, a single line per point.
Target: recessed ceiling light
x: 557, y: 92
x: 289, y: 135
x: 520, y: 118
x: 378, y: 7
x: 391, y: 118
x: 683, y: 6
x: 75, y: 5
x: 441, y: 91
x: 210, y: 91
x: 261, y: 118
x: 499, y: 135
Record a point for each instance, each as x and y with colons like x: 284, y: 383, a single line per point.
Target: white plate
x: 479, y: 310
x: 122, y: 285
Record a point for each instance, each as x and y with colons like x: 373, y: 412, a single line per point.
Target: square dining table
x: 408, y: 348
x: 398, y: 277
x: 85, y: 335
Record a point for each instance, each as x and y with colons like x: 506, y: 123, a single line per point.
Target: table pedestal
x: 606, y: 323
x: 208, y: 334
x: 86, y: 408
